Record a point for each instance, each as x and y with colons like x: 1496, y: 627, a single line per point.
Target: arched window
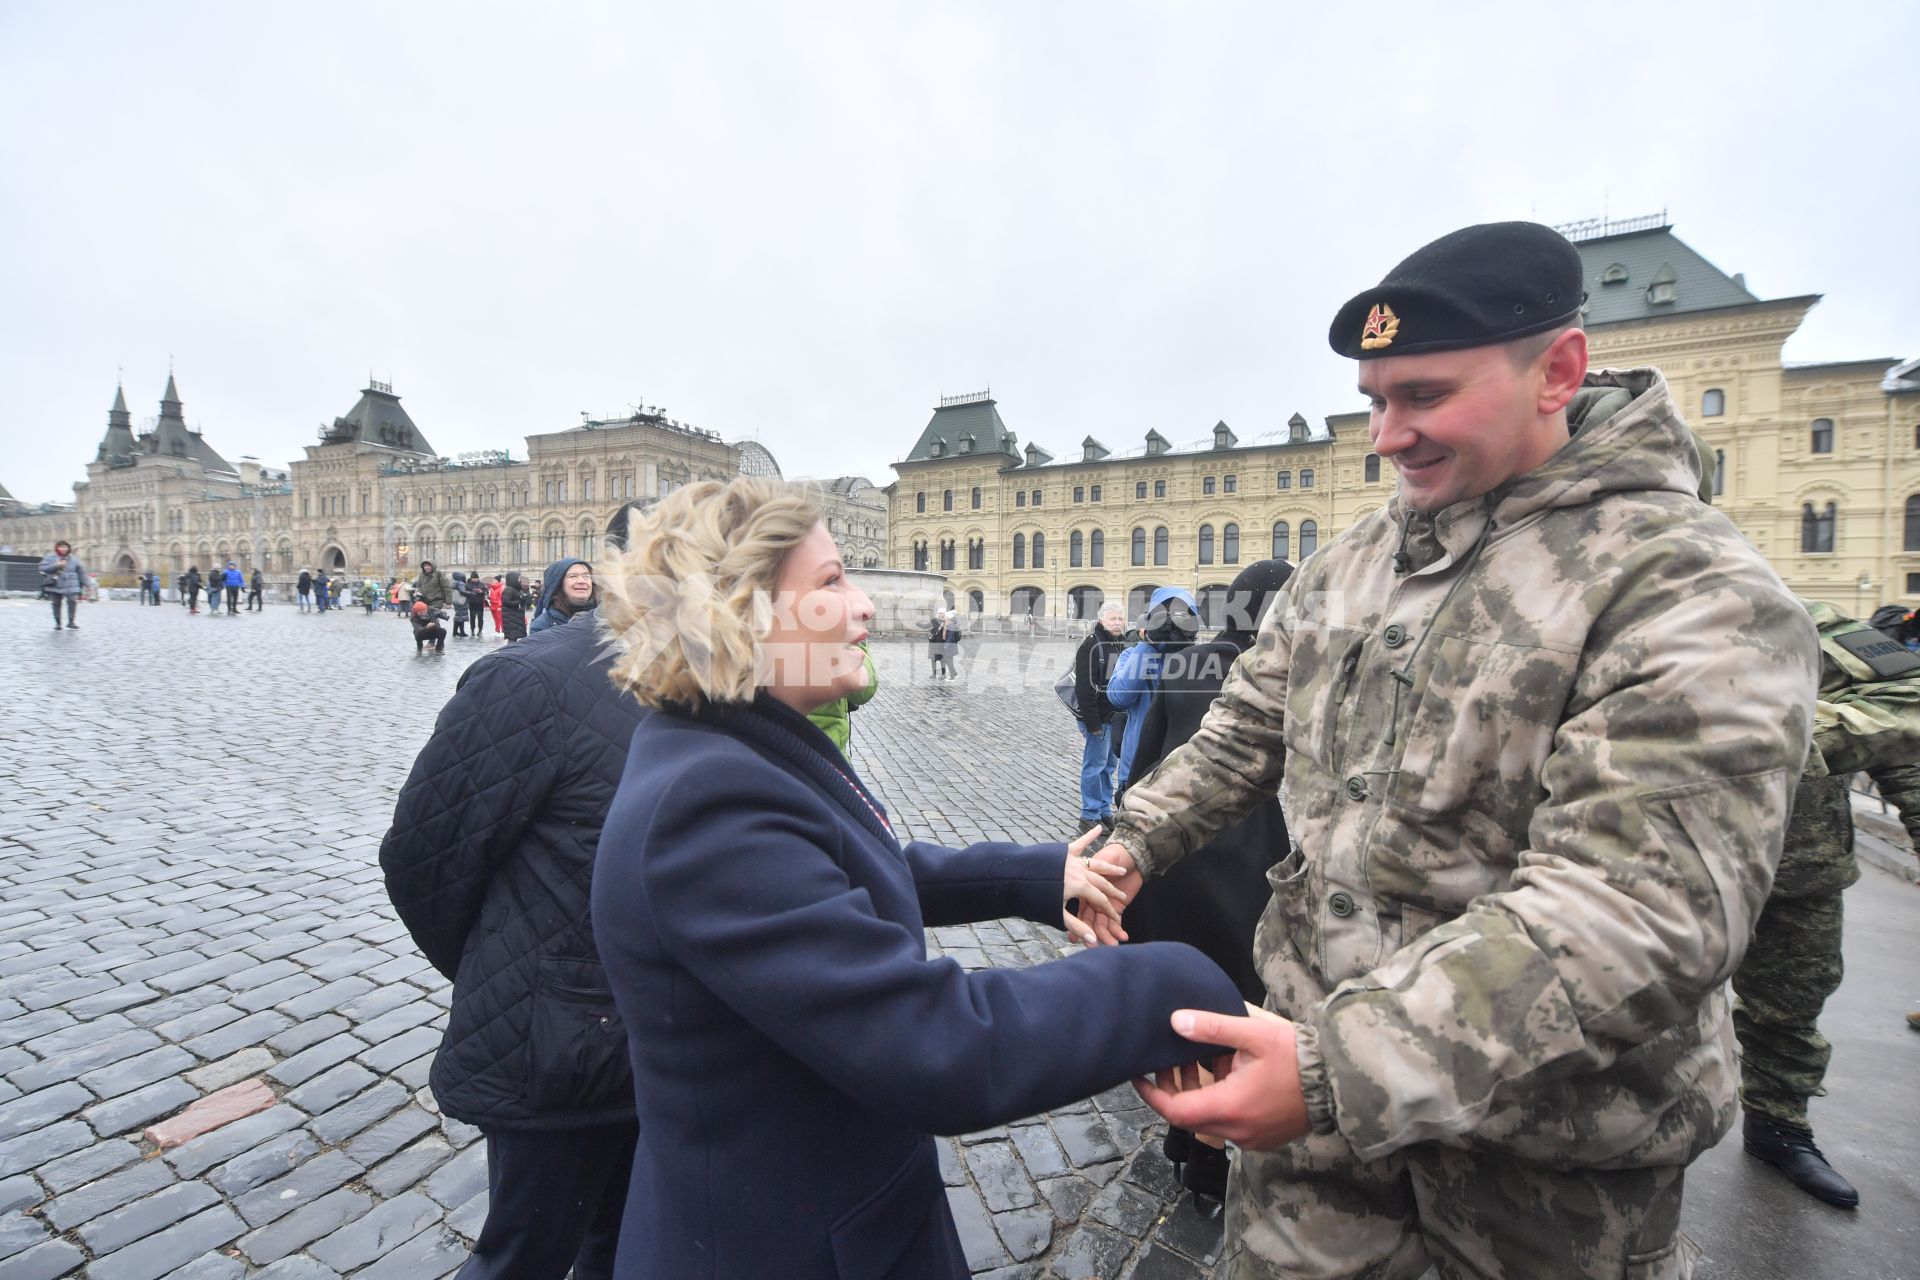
x: 556, y: 543
x: 1160, y: 545
x: 1019, y: 550
x: 1816, y: 528
x: 1230, y: 544
x: 1282, y: 540
x: 976, y: 507
x: 1076, y: 549
x: 1309, y: 538
x: 1713, y: 403
x: 1139, y: 547
x: 976, y: 599
x: 1373, y: 468
x: 976, y: 553
x: 1912, y: 540
x: 919, y: 557
x: 522, y: 544
x: 1719, y: 472
x: 1039, y: 550
x: 1822, y: 435
x: 946, y: 555
x: 946, y: 499
x: 1097, y: 549
x: 920, y: 502
x: 1206, y: 544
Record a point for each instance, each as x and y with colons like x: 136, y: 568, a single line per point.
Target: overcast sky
x: 803, y: 223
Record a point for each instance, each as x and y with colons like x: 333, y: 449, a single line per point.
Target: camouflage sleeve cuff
x: 1314, y: 1085
x: 1128, y: 837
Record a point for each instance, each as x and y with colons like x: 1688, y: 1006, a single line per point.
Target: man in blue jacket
x: 488, y: 863
x: 1172, y: 623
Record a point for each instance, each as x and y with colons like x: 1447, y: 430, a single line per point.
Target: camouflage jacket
x: 1540, y: 749
x: 1868, y: 717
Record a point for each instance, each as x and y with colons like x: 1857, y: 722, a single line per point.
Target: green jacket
x: 836, y: 718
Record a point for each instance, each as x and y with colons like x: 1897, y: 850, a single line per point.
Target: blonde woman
x: 762, y: 929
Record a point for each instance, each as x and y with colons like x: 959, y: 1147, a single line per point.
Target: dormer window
x: 939, y: 447
x: 1615, y: 274
x: 966, y: 444
x: 1660, y: 292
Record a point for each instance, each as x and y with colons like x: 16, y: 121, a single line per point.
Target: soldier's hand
x: 1116, y: 864
x: 1256, y: 1099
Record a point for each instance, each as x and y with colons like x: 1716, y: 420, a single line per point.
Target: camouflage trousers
x: 1792, y: 965
x: 1793, y: 961
x: 1314, y: 1211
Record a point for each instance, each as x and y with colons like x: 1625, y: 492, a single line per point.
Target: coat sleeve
x: 492, y: 759
x: 775, y: 929
x: 1899, y: 786
x: 1129, y: 684
x: 988, y: 881
x: 1666, y: 799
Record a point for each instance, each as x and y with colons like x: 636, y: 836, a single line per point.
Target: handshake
x: 1253, y: 1097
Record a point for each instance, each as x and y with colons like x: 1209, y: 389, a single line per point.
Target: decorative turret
x: 172, y: 438
x: 117, y: 447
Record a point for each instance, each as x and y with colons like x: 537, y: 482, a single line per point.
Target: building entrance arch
x: 333, y: 559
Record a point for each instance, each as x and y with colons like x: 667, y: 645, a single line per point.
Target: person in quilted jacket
x: 488, y: 863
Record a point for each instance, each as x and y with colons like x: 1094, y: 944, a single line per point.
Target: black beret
x: 1470, y: 288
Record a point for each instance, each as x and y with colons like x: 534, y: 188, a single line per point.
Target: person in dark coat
x: 65, y: 580
x: 304, y: 586
x: 256, y: 589
x: 1213, y: 902
x: 320, y: 585
x: 191, y: 592
x: 763, y: 931
x: 488, y: 863
x: 937, y: 645
x: 477, y: 604
x: 427, y: 629
x: 566, y: 591
x: 459, y: 603
x: 1099, y: 734
x: 513, y: 609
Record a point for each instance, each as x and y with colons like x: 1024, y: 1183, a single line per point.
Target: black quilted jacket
x: 489, y: 863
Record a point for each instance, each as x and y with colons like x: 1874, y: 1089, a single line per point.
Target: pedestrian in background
x: 1093, y: 665
x: 1172, y: 623
x: 426, y: 628
x: 513, y: 609
x: 303, y: 586
x: 320, y: 585
x: 477, y: 604
x: 63, y: 579
x: 235, y: 582
x: 459, y: 603
x: 489, y: 862
x: 495, y: 590
x: 255, y: 599
x: 566, y: 591
x: 937, y: 645
x: 190, y: 589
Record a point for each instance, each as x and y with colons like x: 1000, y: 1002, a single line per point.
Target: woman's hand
x: 1090, y: 892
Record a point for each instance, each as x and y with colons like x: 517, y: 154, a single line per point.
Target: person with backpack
x: 303, y: 587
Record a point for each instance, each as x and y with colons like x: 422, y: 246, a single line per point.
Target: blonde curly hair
x: 690, y: 600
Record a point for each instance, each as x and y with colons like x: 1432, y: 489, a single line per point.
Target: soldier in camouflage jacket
x: 1868, y: 717
x: 1540, y: 742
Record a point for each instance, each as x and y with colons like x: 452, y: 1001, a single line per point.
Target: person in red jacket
x: 493, y: 600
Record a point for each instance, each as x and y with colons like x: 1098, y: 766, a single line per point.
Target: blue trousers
x: 1099, y: 757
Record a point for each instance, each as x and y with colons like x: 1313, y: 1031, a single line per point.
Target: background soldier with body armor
x: 1868, y: 717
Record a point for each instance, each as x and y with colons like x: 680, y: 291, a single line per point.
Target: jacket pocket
x: 894, y: 1231
x: 576, y: 1045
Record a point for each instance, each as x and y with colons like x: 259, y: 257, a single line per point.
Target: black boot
x: 1791, y: 1151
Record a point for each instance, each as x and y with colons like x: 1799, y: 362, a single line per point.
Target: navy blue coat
x: 489, y: 863
x: 793, y: 1046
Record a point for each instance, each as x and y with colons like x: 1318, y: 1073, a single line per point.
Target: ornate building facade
x: 370, y: 499
x: 1818, y: 464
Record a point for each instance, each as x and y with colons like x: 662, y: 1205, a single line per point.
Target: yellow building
x: 1818, y: 464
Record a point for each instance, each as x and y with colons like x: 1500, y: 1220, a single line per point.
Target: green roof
x: 964, y: 416
x: 1621, y: 271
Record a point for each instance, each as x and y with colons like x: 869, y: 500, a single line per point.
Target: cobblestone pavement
x: 192, y: 901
